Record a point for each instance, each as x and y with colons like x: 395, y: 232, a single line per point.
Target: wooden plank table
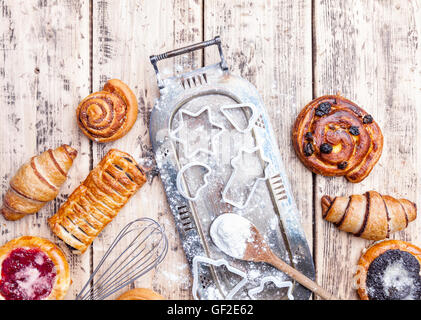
x: 54, y: 53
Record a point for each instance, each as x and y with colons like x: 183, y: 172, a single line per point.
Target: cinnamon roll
x: 109, y: 114
x: 332, y: 136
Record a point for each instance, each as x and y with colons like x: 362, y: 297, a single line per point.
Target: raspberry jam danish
x: 33, y: 268
x: 332, y: 136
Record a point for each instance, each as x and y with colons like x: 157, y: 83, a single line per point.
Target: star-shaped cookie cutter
x: 233, y: 174
x: 251, y: 121
x: 217, y: 263
x: 180, y: 174
x: 173, y: 134
x: 280, y: 284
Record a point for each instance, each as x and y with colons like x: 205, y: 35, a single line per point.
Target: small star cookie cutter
x: 251, y: 121
x: 174, y: 136
x: 217, y: 263
x: 233, y: 175
x: 278, y: 283
x: 180, y: 174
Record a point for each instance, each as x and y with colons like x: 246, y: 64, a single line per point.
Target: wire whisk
x: 147, y: 247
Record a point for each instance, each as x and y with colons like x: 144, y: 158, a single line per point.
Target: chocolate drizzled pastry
x: 371, y: 215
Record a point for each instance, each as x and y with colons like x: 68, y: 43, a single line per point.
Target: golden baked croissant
x: 97, y: 200
x: 332, y: 136
x: 371, y: 216
x: 140, y: 294
x: 109, y: 114
x: 37, y: 182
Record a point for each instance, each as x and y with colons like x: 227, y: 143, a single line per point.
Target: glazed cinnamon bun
x: 109, y: 114
x: 332, y: 136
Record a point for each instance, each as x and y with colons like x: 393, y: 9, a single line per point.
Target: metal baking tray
x: 216, y: 153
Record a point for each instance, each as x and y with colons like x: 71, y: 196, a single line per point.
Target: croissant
x: 99, y: 198
x: 37, y: 182
x: 371, y: 216
x: 333, y: 136
x: 140, y: 294
x: 109, y: 114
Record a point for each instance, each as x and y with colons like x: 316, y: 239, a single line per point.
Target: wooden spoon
x: 227, y: 232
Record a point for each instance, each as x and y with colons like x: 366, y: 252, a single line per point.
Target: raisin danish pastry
x: 389, y: 270
x: 33, y: 268
x: 109, y: 114
x: 97, y: 200
x: 37, y: 182
x: 371, y: 216
x: 332, y: 136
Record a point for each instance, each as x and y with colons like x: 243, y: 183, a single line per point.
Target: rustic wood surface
x: 292, y: 51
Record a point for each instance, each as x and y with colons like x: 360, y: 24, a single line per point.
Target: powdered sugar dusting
x: 397, y: 278
x: 232, y: 233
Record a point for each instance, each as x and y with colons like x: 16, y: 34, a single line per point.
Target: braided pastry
x: 109, y: 114
x: 97, y: 200
x: 37, y: 182
x: 371, y: 216
x: 334, y: 137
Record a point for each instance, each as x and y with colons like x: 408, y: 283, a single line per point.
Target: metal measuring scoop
x: 256, y: 249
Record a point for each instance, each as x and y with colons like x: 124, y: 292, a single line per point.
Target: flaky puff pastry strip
x: 97, y: 200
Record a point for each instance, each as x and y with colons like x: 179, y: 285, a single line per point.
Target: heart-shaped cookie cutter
x: 217, y: 263
x: 180, y: 174
x: 251, y: 121
x: 174, y: 136
x: 278, y: 283
x: 233, y: 174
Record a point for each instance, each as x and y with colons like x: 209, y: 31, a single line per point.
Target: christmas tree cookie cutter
x: 180, y: 175
x: 216, y: 263
x: 278, y: 283
x: 251, y: 121
x: 174, y: 134
x: 231, y: 182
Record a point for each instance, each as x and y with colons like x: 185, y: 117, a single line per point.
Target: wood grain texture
x: 369, y: 51
x: 269, y: 44
x: 44, y: 70
x: 125, y: 34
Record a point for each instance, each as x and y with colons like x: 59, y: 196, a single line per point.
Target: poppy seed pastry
x: 333, y: 136
x: 389, y: 270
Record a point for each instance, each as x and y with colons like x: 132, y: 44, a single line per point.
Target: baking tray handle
x: 173, y: 53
